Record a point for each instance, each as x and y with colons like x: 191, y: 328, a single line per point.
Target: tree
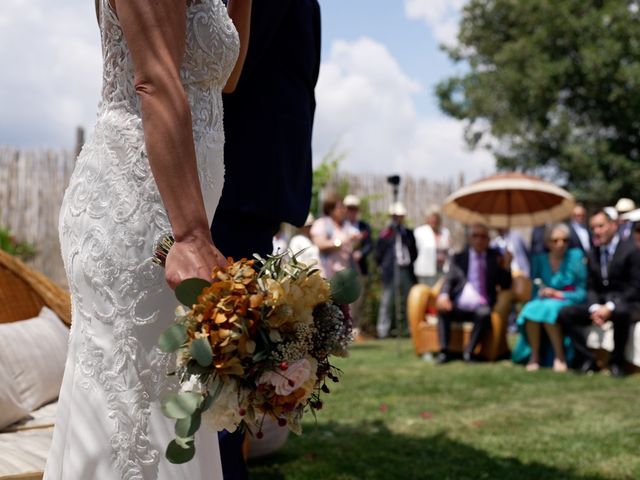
x: 553, y: 87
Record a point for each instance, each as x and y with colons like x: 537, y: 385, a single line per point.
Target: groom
x: 268, y: 122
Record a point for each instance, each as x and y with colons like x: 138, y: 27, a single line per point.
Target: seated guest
x: 613, y: 292
x: 559, y: 279
x: 469, y: 290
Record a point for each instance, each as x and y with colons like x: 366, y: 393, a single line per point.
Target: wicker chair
x: 421, y: 313
x: 24, y: 291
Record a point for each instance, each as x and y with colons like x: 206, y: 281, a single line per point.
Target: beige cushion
x: 11, y: 409
x: 24, y: 453
x: 34, y: 352
x: 602, y: 337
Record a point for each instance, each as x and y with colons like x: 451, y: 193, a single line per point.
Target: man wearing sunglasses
x: 613, y: 292
x: 469, y: 291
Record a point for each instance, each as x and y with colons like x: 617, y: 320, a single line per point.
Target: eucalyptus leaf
x: 345, y: 286
x: 201, y: 352
x: 188, y: 426
x: 188, y: 290
x: 173, y: 338
x: 181, y: 405
x: 177, y: 454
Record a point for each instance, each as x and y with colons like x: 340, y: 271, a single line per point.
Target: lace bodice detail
x: 212, y: 46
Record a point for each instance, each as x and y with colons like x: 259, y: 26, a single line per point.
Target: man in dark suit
x: 268, y: 122
x: 613, y: 293
x: 579, y: 234
x: 395, y: 253
x: 469, y: 291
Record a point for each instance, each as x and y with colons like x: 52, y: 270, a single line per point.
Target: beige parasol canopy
x: 509, y: 200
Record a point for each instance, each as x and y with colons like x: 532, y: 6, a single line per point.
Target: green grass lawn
x: 395, y: 416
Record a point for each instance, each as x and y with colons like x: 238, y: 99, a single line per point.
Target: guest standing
x: 433, y: 242
x: 361, y: 253
x: 560, y: 279
x: 395, y: 253
x: 580, y: 236
x: 623, y: 207
x: 302, y: 246
x: 334, y: 237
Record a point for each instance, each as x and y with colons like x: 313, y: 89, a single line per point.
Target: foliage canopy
x: 553, y: 87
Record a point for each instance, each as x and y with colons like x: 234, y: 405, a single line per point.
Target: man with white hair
x: 433, y: 241
x: 395, y: 253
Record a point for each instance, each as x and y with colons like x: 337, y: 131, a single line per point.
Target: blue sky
x: 380, y: 63
x: 409, y: 41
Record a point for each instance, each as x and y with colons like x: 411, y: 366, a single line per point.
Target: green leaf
x: 187, y: 291
x: 188, y: 426
x: 173, y: 338
x: 200, y: 350
x: 345, y: 286
x: 177, y: 454
x: 181, y: 405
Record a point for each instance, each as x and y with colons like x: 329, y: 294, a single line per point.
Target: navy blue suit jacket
x: 385, y: 252
x: 269, y: 118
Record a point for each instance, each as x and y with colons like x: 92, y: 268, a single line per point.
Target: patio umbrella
x: 509, y: 200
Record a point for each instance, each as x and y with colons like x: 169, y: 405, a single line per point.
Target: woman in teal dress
x: 560, y: 279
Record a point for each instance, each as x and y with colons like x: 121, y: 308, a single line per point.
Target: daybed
x: 23, y: 293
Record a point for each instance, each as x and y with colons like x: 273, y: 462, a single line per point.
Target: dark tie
x: 604, y: 268
x: 482, y: 277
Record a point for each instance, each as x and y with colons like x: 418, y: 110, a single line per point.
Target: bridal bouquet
x: 256, y: 341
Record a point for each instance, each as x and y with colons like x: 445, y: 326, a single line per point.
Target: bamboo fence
x: 33, y: 181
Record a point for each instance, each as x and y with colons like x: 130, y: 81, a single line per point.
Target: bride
x: 154, y: 165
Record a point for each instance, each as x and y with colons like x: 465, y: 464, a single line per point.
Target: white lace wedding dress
x: 109, y: 425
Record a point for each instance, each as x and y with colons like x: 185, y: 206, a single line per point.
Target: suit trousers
x: 239, y: 236
x: 572, y: 320
x: 481, y: 318
x: 388, y: 310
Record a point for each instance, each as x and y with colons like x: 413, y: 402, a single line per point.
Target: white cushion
x: 11, y: 409
x: 602, y: 337
x: 33, y: 353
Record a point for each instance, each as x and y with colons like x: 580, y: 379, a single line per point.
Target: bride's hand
x: 192, y: 257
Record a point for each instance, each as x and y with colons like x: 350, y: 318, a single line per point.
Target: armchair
x: 423, y: 324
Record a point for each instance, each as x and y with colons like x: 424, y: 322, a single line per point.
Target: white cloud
x: 52, y: 71
x: 365, y: 104
x: 441, y: 16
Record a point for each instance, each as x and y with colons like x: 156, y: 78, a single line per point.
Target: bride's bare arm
x: 155, y: 35
x: 240, y: 13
